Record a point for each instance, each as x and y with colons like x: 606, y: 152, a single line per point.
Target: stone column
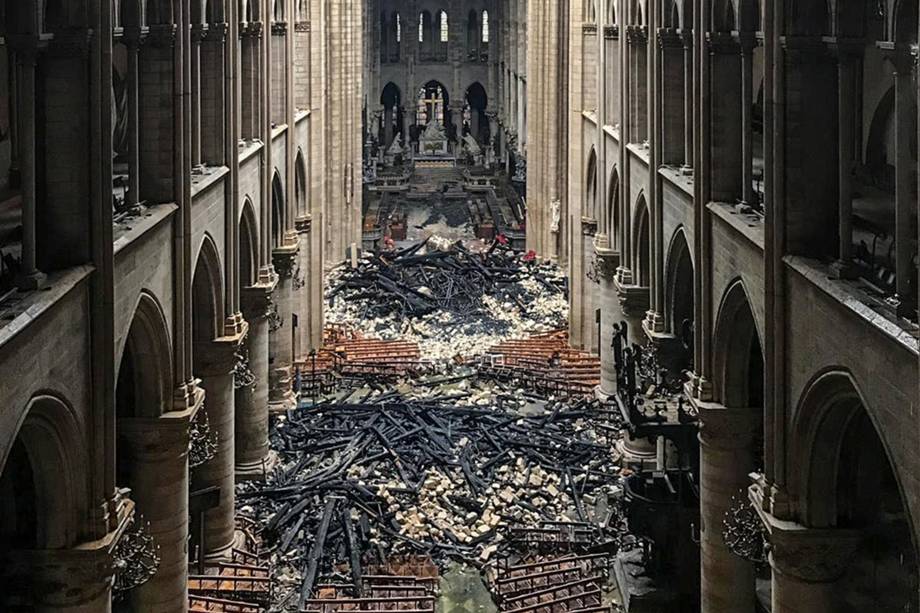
x: 30, y: 278
x: 251, y: 427
x: 281, y: 358
x: 726, y: 460
x: 807, y: 563
x: 904, y: 253
x: 687, y: 37
x: 158, y: 450
x: 132, y: 39
x: 846, y: 103
x: 607, y: 263
x: 198, y: 33
x: 217, y: 359
x: 387, y: 127
x: 747, y: 119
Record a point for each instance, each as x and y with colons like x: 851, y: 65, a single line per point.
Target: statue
x: 472, y: 147
x: 434, y: 131
x: 396, y: 147
x: 555, y: 208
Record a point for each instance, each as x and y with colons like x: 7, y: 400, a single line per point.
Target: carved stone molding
x: 162, y: 35
x: 279, y: 28
x: 612, y: 32
x: 588, y: 226
x: 218, y: 357
x: 809, y: 554
x: 217, y: 32
x: 283, y: 261
x: 199, y: 32
x: 725, y: 428
x: 637, y: 35
x: 608, y: 261
x: 256, y: 300
x: 304, y: 224
x: 589, y: 28
x: 302, y: 26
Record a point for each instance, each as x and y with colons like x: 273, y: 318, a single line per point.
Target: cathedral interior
x: 468, y: 306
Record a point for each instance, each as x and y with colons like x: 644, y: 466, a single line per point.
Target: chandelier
x: 202, y: 443
x: 242, y: 374
x: 136, y: 557
x: 743, y: 532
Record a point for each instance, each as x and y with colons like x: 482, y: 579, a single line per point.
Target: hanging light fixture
x: 136, y: 557
x: 202, y: 443
x: 743, y: 532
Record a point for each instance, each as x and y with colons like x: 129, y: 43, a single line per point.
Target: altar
x: 433, y: 141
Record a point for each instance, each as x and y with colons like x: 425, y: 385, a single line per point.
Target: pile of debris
x: 543, y: 363
x: 449, y: 299
x: 395, y: 475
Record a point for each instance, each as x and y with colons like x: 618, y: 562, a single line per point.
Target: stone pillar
x: 281, y: 331
x: 607, y: 262
x: 133, y: 42
x: 198, y: 32
x: 589, y: 287
x: 807, y: 563
x: 725, y: 176
x: 30, y: 277
x: 904, y: 197
x: 747, y: 120
x: 687, y: 36
x: 158, y: 449
x: 217, y: 359
x: 726, y: 460
x: 846, y: 103
x: 251, y: 427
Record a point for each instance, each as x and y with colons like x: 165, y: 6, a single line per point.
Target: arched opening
x: 486, y: 34
x: 613, y: 210
x: 300, y: 185
x: 142, y: 394
x: 207, y: 295
x: 679, y: 296
x: 278, y: 223
x: 475, y: 121
x: 393, y: 114
x: 848, y: 482
x: 395, y: 37
x: 433, y: 105
x: 642, y: 242
x: 425, y: 36
x: 42, y: 497
x: 739, y: 365
x: 249, y: 259
x: 590, y: 206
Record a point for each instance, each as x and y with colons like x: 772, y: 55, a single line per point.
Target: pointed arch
x: 44, y: 478
x: 845, y: 477
x: 613, y: 208
x: 738, y: 367
x: 207, y: 293
x: 679, y: 288
x: 145, y: 375
x: 249, y: 245
x: 642, y: 243
x: 278, y: 210
x: 300, y: 184
x: 590, y: 206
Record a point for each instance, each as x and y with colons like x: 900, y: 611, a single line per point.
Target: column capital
x: 163, y: 35
x: 634, y: 299
x: 218, y: 356
x: 63, y: 578
x: 256, y: 300
x: 217, y: 32
x: 279, y: 28
x: 725, y: 428
x: 199, y: 31
x: 588, y: 226
x: 303, y: 224
x: 668, y: 38
x: 722, y: 43
x: 155, y: 438
x: 637, y: 35
x: 608, y: 261
x: 812, y: 555
x: 283, y: 259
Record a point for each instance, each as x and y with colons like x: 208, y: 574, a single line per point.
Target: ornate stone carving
x: 815, y: 556
x: 279, y: 28
x: 607, y: 263
x: 162, y: 35
x: 302, y: 26
x: 726, y: 428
